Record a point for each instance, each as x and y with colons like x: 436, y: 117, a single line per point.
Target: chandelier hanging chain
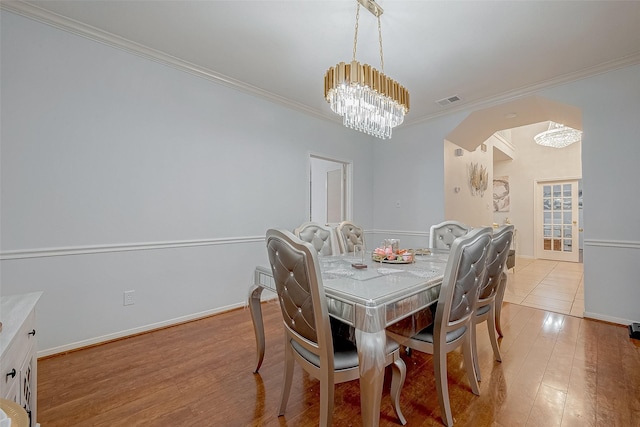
x: 355, y: 37
x: 380, y: 40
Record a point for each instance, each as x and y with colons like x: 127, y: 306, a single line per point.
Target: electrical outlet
x: 128, y: 297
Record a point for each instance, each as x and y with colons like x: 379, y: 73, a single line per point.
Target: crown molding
x: 58, y: 21
x: 78, y: 28
x: 602, y: 68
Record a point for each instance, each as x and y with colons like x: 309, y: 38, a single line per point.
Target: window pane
x: 566, y: 190
x: 557, y: 203
x: 566, y: 204
x: 557, y: 190
x: 546, y: 191
x: 546, y: 204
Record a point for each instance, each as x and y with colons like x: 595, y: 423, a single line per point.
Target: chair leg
x: 491, y: 324
x: 497, y: 320
x: 442, y: 386
x: 467, y: 351
x: 398, y: 375
x: 502, y: 286
x: 288, y: 376
x: 327, y: 389
x: 474, y: 350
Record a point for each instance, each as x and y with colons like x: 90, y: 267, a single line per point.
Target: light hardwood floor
x: 549, y: 285
x: 557, y: 370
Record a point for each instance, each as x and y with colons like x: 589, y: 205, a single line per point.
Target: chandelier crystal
x: 558, y: 136
x: 367, y: 99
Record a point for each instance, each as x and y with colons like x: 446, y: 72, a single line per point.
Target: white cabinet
x: 18, y: 361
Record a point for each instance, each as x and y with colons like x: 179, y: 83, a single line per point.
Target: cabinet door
x: 27, y: 384
x: 10, y: 367
x: 12, y: 393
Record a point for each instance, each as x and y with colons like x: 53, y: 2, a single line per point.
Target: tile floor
x: 549, y: 285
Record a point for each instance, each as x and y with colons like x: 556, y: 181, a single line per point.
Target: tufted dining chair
x: 441, y: 236
x: 494, y: 282
x: 349, y: 235
x: 452, y: 323
x: 308, y: 337
x: 324, y: 239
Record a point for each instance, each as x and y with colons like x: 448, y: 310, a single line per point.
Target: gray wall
x: 122, y: 173
x: 610, y: 105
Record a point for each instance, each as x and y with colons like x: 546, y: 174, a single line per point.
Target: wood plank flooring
x: 557, y: 370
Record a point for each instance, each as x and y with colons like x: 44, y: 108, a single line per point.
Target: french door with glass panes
x: 556, y: 227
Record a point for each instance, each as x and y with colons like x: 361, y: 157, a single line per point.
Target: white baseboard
x: 610, y: 319
x: 134, y: 331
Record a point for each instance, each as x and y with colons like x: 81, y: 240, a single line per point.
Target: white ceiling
x: 482, y: 51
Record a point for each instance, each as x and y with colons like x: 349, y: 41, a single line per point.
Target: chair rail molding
x: 400, y: 232
x: 125, y: 247
x: 624, y: 244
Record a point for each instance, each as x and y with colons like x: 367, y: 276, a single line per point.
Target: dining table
x: 369, y: 299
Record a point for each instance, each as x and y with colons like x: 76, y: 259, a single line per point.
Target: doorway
x: 330, y: 199
x: 509, y: 129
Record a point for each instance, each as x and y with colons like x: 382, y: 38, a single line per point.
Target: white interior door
x: 556, y: 225
x: 330, y: 200
x: 335, y: 196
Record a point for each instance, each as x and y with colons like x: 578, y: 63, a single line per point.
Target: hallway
x: 548, y: 285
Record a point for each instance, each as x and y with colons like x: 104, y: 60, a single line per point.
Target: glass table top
x: 380, y: 282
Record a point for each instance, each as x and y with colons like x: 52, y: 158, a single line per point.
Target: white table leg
x: 371, y: 357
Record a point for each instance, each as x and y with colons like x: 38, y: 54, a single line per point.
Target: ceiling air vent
x: 448, y: 100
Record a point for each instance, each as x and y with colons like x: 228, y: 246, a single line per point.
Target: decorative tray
x: 402, y: 256
x: 392, y: 261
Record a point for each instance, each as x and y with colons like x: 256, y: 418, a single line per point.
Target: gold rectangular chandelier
x: 367, y: 99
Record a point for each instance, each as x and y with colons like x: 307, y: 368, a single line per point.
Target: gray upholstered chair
x: 308, y: 337
x: 454, y: 310
x: 350, y: 235
x: 324, y: 239
x: 486, y: 305
x: 441, y: 236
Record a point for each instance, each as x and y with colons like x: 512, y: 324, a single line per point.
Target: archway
x: 495, y: 138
